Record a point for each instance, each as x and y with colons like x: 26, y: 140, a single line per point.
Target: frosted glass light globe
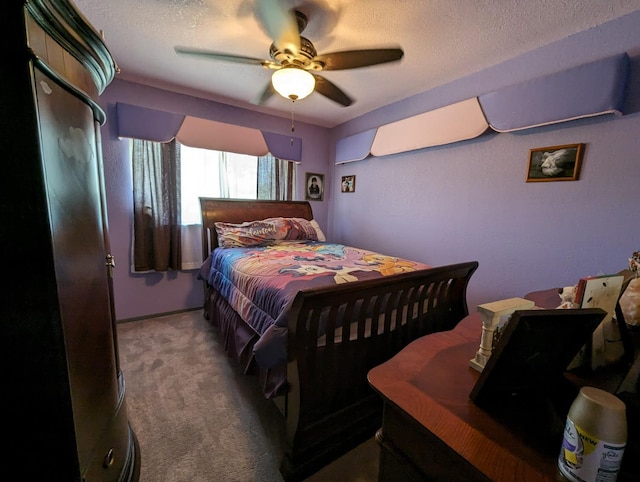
x: 293, y: 82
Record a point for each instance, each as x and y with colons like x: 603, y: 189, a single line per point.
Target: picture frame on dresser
x: 523, y: 381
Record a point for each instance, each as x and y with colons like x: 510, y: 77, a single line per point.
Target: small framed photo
x: 557, y: 163
x: 314, y: 186
x: 348, y: 184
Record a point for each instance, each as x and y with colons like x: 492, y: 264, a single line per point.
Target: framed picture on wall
x: 348, y: 184
x: 314, y: 186
x: 556, y: 163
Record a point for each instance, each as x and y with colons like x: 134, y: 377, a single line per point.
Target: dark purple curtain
x: 275, y: 178
x: 156, y: 199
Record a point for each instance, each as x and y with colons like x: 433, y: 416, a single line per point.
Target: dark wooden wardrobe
x: 65, y: 416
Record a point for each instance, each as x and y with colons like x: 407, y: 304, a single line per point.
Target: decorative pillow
x: 265, y: 232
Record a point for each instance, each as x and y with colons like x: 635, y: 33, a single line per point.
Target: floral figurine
x: 630, y: 299
x: 634, y: 263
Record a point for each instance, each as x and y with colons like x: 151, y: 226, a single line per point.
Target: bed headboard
x: 216, y: 210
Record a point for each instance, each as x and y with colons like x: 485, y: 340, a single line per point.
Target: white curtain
x: 223, y: 173
x: 207, y: 173
x: 204, y: 175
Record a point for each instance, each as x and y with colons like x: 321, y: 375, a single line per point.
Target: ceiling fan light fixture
x: 293, y: 82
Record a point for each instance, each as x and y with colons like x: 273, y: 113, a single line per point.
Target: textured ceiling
x: 443, y: 40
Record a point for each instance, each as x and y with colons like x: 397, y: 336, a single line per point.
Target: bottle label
x: 585, y: 458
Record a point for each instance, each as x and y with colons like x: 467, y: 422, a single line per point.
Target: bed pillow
x: 264, y: 232
x: 316, y: 226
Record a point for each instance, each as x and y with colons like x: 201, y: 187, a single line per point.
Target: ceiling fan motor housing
x: 304, y: 58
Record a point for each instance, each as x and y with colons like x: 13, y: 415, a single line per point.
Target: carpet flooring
x: 198, y: 418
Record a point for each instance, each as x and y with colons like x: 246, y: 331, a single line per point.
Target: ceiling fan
x: 295, y: 61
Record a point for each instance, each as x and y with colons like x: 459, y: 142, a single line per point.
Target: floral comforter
x: 260, y: 283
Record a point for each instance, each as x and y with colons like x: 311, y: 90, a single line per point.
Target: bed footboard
x: 330, y: 406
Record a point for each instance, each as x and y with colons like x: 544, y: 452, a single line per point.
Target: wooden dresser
x: 65, y: 416
x: 432, y: 431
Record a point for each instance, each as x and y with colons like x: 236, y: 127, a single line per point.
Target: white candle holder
x: 494, y: 316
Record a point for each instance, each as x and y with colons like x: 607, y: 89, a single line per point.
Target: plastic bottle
x: 595, y: 437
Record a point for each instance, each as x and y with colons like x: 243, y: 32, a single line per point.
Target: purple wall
x: 464, y: 201
x: 139, y: 295
x: 469, y: 200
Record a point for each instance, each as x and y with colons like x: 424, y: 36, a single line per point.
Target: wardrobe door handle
x: 108, y: 459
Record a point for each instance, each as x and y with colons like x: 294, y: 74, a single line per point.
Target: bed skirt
x: 239, y: 338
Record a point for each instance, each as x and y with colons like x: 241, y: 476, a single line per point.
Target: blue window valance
x: 355, y: 147
x: 155, y: 125
x: 592, y: 89
x: 453, y: 123
x: 587, y: 90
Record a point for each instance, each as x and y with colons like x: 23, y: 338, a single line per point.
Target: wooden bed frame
x: 329, y: 406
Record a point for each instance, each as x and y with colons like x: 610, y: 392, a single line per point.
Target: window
x: 208, y: 173
x: 168, y: 180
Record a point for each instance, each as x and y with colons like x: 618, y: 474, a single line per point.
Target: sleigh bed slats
x: 413, y: 305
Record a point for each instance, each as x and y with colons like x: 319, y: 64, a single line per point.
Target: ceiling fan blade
x: 266, y: 94
x: 331, y: 91
x: 281, y: 25
x: 353, y: 59
x: 220, y: 56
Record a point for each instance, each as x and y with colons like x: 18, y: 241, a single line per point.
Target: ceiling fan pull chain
x: 293, y: 126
